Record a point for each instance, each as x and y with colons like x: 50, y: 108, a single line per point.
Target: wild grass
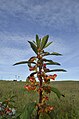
x: 65, y: 108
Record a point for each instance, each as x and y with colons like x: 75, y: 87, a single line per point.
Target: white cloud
x: 58, y: 14
x: 13, y: 47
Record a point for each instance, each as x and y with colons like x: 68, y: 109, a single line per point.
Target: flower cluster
x: 33, y: 85
x: 30, y: 87
x: 6, y: 110
x: 43, y: 108
x: 48, y: 77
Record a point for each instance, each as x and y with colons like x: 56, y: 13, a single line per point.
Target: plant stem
x: 40, y: 92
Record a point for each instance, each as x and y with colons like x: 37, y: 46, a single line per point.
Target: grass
x: 65, y: 108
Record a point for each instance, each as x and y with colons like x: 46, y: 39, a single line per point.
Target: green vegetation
x: 38, y: 65
x: 64, y: 108
x: 34, y: 99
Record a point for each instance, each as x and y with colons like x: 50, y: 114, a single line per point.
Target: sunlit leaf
x: 23, y: 62
x: 38, y: 41
x: 33, y: 46
x: 51, y: 62
x: 46, y: 60
x: 48, y: 44
x: 56, y: 91
x: 28, y: 111
x: 53, y: 53
x: 44, y: 41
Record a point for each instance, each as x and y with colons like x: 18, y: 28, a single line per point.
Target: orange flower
x: 29, y: 87
x: 52, y: 76
x: 49, y: 108
x: 32, y: 79
x: 45, y: 108
x: 33, y: 87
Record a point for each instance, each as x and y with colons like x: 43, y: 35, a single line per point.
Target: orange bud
x: 52, y: 76
x: 29, y: 87
x: 32, y: 79
x: 49, y: 108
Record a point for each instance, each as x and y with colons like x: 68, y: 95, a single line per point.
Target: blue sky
x: 21, y: 20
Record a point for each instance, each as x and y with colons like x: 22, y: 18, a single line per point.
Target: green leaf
x: 56, y: 70
x: 17, y: 116
x: 34, y: 42
x: 28, y: 111
x: 51, y: 62
x: 56, y: 91
x: 33, y: 46
x: 23, y: 62
x: 47, y: 44
x: 32, y: 74
x: 53, y: 53
x: 30, y: 60
x: 13, y: 96
x: 46, y: 60
x: 38, y: 41
x: 44, y: 41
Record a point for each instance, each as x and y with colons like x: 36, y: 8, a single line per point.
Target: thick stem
x: 40, y: 86
x: 40, y: 92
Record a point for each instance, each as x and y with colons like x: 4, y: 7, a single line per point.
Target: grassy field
x: 65, y: 108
